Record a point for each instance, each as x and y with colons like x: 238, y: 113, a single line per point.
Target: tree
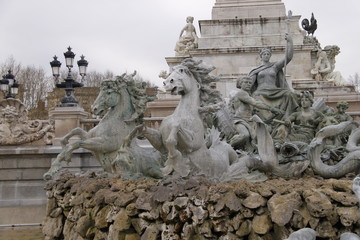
x: 94, y: 78
x: 355, y: 80
x: 35, y: 85
x: 33, y: 81
x: 10, y: 64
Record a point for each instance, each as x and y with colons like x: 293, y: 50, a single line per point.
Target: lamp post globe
x: 9, y: 86
x: 69, y: 100
x: 55, y: 67
x: 69, y: 58
x: 14, y: 90
x: 4, y: 85
x: 82, y: 63
x: 10, y: 77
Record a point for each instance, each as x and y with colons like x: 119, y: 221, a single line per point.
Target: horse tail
x: 213, y: 137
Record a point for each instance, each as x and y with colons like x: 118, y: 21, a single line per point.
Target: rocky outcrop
x: 94, y: 207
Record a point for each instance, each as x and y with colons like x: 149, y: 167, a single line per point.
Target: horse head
x: 109, y: 97
x: 180, y: 81
x: 126, y: 95
x: 190, y: 75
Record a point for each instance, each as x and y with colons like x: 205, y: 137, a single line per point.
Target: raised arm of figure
x: 288, y: 54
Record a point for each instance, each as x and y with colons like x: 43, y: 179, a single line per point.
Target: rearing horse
x: 122, y: 101
x: 182, y: 134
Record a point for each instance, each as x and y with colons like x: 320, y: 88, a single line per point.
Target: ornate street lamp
x: 9, y: 86
x: 55, y: 67
x: 69, y: 83
x: 82, y: 67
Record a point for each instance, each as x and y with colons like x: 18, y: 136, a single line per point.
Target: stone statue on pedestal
x: 188, y: 38
x: 324, y: 67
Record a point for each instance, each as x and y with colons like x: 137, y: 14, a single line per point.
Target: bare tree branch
x: 355, y: 80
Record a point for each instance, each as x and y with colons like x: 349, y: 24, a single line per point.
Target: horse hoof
x: 63, y: 143
x: 47, y: 176
x: 66, y: 157
x: 167, y: 170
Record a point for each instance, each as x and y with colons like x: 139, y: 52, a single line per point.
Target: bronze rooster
x: 309, y: 27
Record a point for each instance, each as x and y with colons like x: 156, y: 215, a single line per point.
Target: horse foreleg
x: 56, y: 165
x: 175, y: 162
x: 75, y: 132
x: 104, y: 151
x: 151, y: 134
x: 172, y: 141
x: 55, y: 168
x: 135, y: 132
x: 192, y: 141
x: 64, y: 155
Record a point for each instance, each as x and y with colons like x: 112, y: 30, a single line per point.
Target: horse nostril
x: 164, y: 83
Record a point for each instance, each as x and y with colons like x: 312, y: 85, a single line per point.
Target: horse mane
x: 136, y: 90
x: 200, y: 71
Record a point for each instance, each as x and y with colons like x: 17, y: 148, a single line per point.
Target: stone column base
x: 66, y: 119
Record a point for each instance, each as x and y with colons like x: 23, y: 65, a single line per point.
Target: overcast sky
x: 119, y: 35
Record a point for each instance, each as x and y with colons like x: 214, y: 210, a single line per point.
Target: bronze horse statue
x: 121, y: 103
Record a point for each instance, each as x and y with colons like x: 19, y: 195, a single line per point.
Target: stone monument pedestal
x: 66, y: 119
x: 225, y: 9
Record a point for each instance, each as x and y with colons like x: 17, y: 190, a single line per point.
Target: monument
x: 278, y: 185
x: 188, y: 38
x: 188, y: 203
x: 232, y: 39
